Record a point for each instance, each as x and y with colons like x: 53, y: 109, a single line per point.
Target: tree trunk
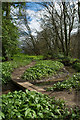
x: 8, y: 10
x: 65, y: 28
x: 78, y: 36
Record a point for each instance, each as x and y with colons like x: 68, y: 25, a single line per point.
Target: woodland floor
x: 70, y: 97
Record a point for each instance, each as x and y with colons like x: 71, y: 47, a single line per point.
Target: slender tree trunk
x: 8, y: 10
x: 47, y: 42
x: 79, y: 10
x: 65, y: 28
x: 62, y: 39
x: 56, y: 30
x: 79, y: 30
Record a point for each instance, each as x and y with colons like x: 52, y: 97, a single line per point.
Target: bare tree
x: 62, y: 21
x: 30, y: 40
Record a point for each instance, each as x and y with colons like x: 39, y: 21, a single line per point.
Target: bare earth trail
x: 10, y: 87
x: 71, y: 97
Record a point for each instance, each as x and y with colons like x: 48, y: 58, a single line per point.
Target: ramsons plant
x: 42, y: 69
x: 33, y: 105
x: 18, y: 61
x: 73, y: 82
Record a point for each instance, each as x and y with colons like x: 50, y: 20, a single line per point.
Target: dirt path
x: 70, y: 70
x: 70, y: 97
x: 10, y: 87
x: 17, y: 73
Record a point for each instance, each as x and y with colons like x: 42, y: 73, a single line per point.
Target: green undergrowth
x: 8, y: 67
x: 76, y: 66
x: 42, y: 69
x: 24, y: 56
x: 68, y: 61
x: 20, y: 105
x: 73, y: 82
x: 18, y: 61
x: 74, y: 62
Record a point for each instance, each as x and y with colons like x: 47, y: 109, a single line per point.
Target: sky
x: 34, y: 6
x: 35, y: 12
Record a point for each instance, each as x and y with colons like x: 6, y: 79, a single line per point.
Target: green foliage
x: 6, y: 72
x: 24, y: 56
x: 18, y: 61
x: 25, y: 105
x: 60, y: 56
x: 73, y: 82
x: 42, y: 69
x: 35, y: 58
x: 9, y: 38
x: 54, y: 56
x: 76, y: 66
x: 47, y: 56
x: 68, y: 60
x: 8, y: 67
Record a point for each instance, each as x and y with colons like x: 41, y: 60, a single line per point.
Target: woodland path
x: 71, y: 98
x: 16, y: 78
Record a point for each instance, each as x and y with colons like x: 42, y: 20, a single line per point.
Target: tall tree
x: 9, y: 32
x: 30, y: 40
x: 61, y: 19
x: 79, y: 30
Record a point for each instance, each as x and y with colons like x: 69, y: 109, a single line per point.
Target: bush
x: 32, y: 105
x: 42, y: 69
